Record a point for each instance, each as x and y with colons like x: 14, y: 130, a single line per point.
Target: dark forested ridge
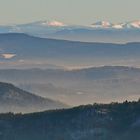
x: 115, y: 121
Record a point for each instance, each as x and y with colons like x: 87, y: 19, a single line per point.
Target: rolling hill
x: 24, y: 51
x: 13, y: 99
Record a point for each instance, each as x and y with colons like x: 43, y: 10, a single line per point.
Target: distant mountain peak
x: 101, y: 24
x: 53, y: 23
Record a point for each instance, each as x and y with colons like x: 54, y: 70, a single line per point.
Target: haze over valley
x: 69, y: 70
x: 72, y: 72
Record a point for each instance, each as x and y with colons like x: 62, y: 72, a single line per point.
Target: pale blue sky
x: 68, y: 11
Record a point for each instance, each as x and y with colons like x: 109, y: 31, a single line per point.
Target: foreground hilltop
x: 115, y: 121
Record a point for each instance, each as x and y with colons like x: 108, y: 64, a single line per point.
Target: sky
x: 83, y: 12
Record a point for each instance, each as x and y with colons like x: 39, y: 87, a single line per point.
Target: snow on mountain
x: 52, y: 23
x: 8, y: 56
x: 118, y: 26
x: 56, y: 23
x: 101, y: 24
x: 123, y: 25
x: 135, y: 24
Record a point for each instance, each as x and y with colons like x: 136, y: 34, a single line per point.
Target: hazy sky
x: 68, y: 11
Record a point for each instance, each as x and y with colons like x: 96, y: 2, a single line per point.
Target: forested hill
x: 14, y: 99
x: 115, y: 121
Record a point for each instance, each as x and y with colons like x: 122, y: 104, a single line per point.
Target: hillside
x: 115, y: 121
x: 13, y: 99
x: 24, y: 51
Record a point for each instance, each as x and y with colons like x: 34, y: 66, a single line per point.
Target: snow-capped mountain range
x: 102, y: 31
x: 58, y: 24
x: 123, y: 25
